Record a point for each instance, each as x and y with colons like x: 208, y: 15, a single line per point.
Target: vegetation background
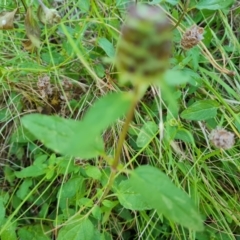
x: 64, y: 67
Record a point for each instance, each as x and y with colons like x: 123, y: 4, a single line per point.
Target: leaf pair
x: 79, y: 138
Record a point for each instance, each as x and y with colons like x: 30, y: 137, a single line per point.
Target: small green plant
x: 83, y: 138
x: 119, y: 126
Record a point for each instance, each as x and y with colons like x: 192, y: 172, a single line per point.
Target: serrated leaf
x: 33, y: 30
x: 201, y: 110
x: 130, y: 199
x: 6, y: 20
x: 82, y: 229
x: 107, y: 47
x: 161, y: 194
x: 146, y: 133
x: 214, y: 4
x: 65, y: 136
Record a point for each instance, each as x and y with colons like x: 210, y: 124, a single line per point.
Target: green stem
x: 122, y: 137
x: 24, y: 5
x: 124, y: 130
x: 183, y: 14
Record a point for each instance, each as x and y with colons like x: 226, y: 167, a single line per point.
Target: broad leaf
x: 65, y: 136
x: 130, y: 199
x: 2, y: 210
x: 184, y: 135
x: 34, y: 232
x: 24, y: 188
x: 160, y: 193
x: 214, y: 4
x: 9, y: 233
x: 107, y: 47
x: 146, y: 133
x: 93, y: 172
x: 31, y: 171
x: 107, y: 110
x: 201, y: 110
x: 82, y: 229
x: 176, y: 77
x: 80, y: 139
x: 84, y: 5
x: 71, y: 187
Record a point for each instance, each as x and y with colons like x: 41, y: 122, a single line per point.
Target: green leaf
x: 24, y: 188
x: 107, y: 47
x: 33, y: 232
x: 9, y: 174
x: 96, y: 212
x: 100, y: 70
x: 107, y: 110
x: 84, y: 5
x: 130, y: 199
x: 160, y: 193
x: 79, y: 139
x: 176, y: 77
x: 65, y: 136
x: 214, y: 4
x: 201, y: 110
x: 82, y: 229
x: 2, y: 210
x: 26, y: 67
x: 54, y: 57
x: 31, y: 171
x: 184, y: 135
x: 9, y: 233
x: 146, y: 134
x: 172, y: 2
x: 22, y: 135
x: 71, y: 187
x: 93, y: 172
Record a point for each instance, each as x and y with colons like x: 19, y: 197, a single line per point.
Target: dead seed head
x: 221, y: 138
x: 192, y: 37
x: 44, y: 86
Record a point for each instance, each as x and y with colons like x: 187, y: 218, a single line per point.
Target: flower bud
x: 144, y: 47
